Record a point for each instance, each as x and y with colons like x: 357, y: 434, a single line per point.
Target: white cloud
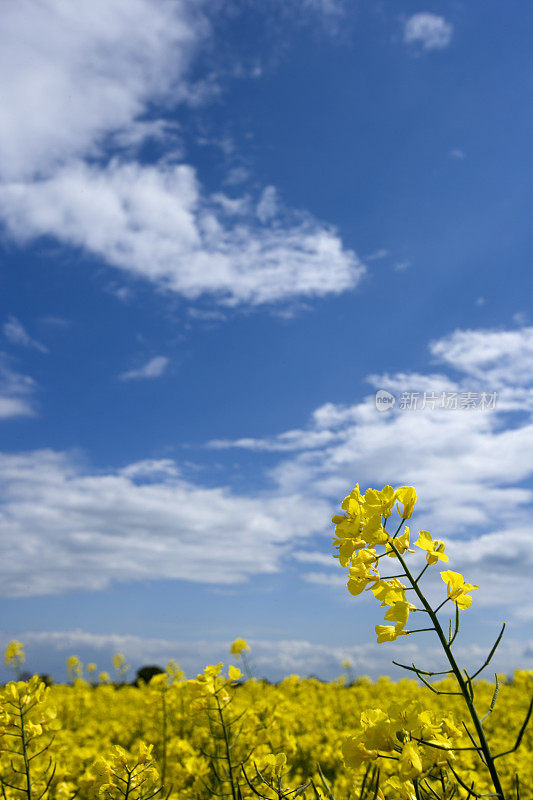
x: 267, y: 208
x: 47, y: 651
x: 473, y: 469
x: 56, y: 322
x: 289, y: 440
x: 428, y: 30
x: 88, y: 78
x: 520, y: 318
x: 377, y: 255
x: 15, y: 332
x: 336, y: 580
x: 327, y: 7
x: 67, y: 528
x: 457, y: 154
x: 15, y: 392
x: 157, y: 130
x: 499, y: 357
x: 14, y: 407
x: 60, y: 104
x: 154, y: 223
x: 237, y: 175
x: 152, y: 369
x: 313, y: 557
x: 401, y: 266
x: 208, y: 315
x: 151, y: 469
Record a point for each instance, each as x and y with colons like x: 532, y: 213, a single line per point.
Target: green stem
x: 164, y: 748
x: 25, y: 752
x: 483, y: 744
x: 246, y: 665
x: 128, y: 786
x: 228, y: 749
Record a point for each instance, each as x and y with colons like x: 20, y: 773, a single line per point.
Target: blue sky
x: 224, y: 227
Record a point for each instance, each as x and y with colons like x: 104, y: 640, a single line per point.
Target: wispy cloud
x: 520, y: 318
x: 272, y: 658
x: 267, y: 207
x: 428, y: 30
x: 152, y: 369
x: 16, y: 333
x: 377, y: 255
x: 287, y: 441
x: 401, y: 266
x: 55, y: 322
x: 16, y: 392
x: 499, y: 357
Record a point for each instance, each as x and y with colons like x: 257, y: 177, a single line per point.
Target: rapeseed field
x: 227, y: 734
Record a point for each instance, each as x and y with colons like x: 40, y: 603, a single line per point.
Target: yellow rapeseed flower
x: 234, y: 673
x: 389, y: 633
x: 399, y: 612
x: 434, y: 547
x: 401, y: 543
x: 14, y: 654
x: 410, y: 761
x: 355, y: 753
x: 457, y: 588
x: 239, y: 646
x: 407, y: 497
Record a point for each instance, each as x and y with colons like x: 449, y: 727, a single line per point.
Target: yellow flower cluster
x: 362, y: 529
x: 399, y: 732
x: 423, y: 745
x: 126, y: 775
x: 14, y: 655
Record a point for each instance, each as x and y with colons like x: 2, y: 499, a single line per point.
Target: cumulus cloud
x: 155, y: 223
x: 69, y: 528
x: 60, y: 105
x: 428, y: 30
x: 152, y: 369
x: 63, y: 118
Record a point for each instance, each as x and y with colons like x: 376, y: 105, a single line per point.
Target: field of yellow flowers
x: 177, y: 736
x: 225, y: 734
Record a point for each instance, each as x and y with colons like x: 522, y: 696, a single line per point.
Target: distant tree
x: 147, y: 673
